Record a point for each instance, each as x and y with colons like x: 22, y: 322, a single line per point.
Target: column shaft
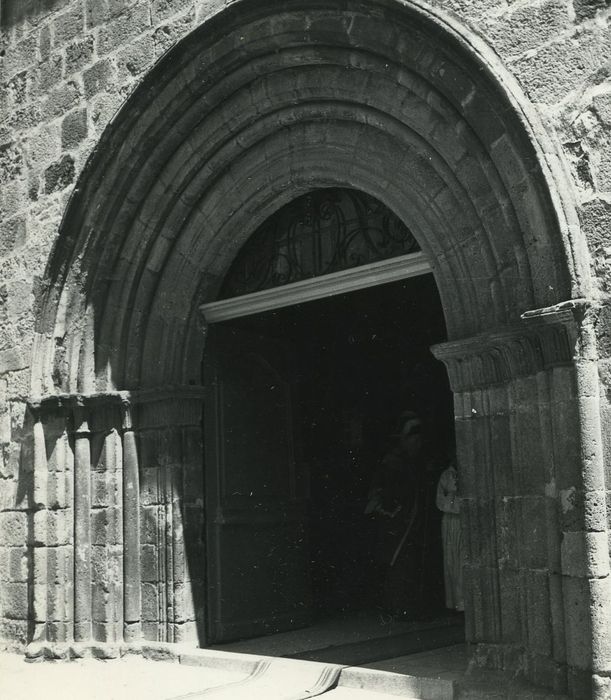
x: 82, y: 527
x: 131, y: 532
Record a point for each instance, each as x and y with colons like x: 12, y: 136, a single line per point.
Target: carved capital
x: 545, y: 338
x: 80, y: 415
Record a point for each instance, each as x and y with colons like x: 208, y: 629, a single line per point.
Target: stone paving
x: 200, y: 674
x: 129, y: 678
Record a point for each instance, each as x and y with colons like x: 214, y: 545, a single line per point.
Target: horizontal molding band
x: 137, y: 396
x: 372, y: 275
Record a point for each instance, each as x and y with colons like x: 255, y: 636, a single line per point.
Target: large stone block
x: 162, y: 9
x: 18, y: 564
x: 14, y: 601
x: 58, y: 495
x: 60, y: 565
x: 118, y: 32
x: 553, y: 71
x: 21, y: 55
x: 149, y: 523
x: 59, y: 631
x: 149, y: 487
x: 60, y: 174
x: 136, y: 58
x: 17, y: 88
x: 8, y: 494
x: 545, y: 672
x: 149, y: 563
x: 577, y: 602
x: 59, y: 526
x: 102, y: 11
x: 474, y: 8
x: 79, y: 54
x: 533, y: 532
x: 538, y: 618
x: 60, y: 602
x: 106, y: 526
x: 11, y: 162
x: 581, y: 510
x: 150, y: 602
x: 13, y: 528
x: 527, y: 27
x: 48, y: 74
x: 601, y: 623
x: 14, y: 630
x: 184, y: 606
x: 61, y: 99
x: 68, y: 25
x: 510, y: 593
x: 74, y: 128
x: 186, y: 633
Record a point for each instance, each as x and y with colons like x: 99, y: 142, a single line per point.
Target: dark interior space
x: 360, y: 360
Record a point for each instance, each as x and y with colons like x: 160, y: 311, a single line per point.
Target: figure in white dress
x: 448, y: 503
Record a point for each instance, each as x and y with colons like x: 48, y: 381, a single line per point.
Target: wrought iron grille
x: 324, y: 231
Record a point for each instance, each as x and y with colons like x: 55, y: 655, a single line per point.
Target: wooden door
x: 257, y: 563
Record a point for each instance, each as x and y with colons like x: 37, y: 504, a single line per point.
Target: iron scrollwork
x: 324, y: 231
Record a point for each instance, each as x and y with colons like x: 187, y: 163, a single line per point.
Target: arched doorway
x: 319, y: 342
x: 255, y: 108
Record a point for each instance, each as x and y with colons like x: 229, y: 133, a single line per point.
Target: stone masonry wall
x: 66, y: 67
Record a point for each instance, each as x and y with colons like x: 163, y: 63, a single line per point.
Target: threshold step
x: 396, y: 684
x: 353, y: 694
x: 276, y: 679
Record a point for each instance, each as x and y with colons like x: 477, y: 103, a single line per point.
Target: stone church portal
x: 392, y: 108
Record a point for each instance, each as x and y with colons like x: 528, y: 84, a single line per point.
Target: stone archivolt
x: 266, y: 105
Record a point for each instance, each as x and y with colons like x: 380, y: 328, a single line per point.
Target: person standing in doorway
x: 451, y: 537
x: 396, y: 502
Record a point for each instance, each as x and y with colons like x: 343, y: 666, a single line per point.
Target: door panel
x: 258, y: 578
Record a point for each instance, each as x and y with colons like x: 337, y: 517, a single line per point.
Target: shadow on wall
x: 14, y: 11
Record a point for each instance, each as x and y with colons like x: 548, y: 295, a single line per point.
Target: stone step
x: 271, y: 678
x: 396, y: 684
x: 276, y: 679
x: 354, y: 694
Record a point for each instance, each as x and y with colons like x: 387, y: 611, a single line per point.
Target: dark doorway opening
x: 358, y: 361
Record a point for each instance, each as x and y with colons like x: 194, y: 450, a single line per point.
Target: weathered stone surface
x: 79, y: 54
x: 11, y: 162
x: 118, y: 32
x: 14, y: 601
x: 136, y: 58
x: 99, y: 77
x: 13, y: 528
x: 528, y: 26
x: 60, y: 174
x: 101, y: 11
x: 561, y: 66
x: 583, y: 554
x: 12, y: 237
x: 68, y: 24
x: 167, y: 35
x: 586, y: 9
x: 61, y: 99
